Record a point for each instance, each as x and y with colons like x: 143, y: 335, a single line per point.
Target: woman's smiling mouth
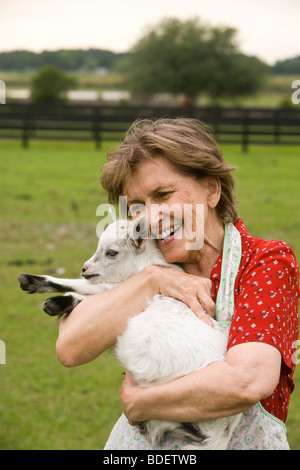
x: 168, y: 234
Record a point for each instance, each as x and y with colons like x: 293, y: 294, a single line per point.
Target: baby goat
x: 164, y: 342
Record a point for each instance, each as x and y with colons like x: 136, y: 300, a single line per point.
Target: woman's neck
x: 201, y: 262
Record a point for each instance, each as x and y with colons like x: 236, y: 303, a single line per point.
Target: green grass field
x: 48, y: 199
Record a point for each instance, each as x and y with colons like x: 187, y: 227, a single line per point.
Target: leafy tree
x: 237, y: 75
x: 49, y: 85
x: 191, y: 58
x: 287, y: 67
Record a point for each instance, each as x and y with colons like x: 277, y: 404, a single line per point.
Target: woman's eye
x: 164, y: 195
x: 111, y: 253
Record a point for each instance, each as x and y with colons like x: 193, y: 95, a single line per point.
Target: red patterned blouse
x: 266, y: 307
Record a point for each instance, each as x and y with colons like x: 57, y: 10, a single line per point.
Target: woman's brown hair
x: 185, y: 143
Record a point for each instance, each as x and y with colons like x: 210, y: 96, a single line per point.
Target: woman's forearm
x: 95, y: 323
x: 249, y: 373
x: 192, y: 398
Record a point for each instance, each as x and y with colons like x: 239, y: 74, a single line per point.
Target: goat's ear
x: 113, y: 214
x: 140, y: 231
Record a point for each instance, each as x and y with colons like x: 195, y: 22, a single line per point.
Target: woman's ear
x: 213, y: 191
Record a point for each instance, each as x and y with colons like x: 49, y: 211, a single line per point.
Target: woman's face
x: 177, y: 207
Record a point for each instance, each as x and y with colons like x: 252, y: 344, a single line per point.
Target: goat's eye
x: 111, y: 253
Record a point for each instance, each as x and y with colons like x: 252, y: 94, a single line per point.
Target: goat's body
x: 164, y: 342
x: 166, y: 339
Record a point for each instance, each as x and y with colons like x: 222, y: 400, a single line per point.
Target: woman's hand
x: 128, y: 392
x: 194, y: 291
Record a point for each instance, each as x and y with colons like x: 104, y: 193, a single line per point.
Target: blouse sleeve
x: 266, y: 300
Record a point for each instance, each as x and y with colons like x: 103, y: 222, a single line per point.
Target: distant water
x: 77, y: 95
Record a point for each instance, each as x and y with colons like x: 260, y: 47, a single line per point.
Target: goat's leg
x: 62, y: 304
x: 35, y: 284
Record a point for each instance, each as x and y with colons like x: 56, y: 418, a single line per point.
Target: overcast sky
x: 268, y: 29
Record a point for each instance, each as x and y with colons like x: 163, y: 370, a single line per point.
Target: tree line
x: 185, y: 58
x: 63, y: 59
x: 73, y: 60
x: 287, y: 66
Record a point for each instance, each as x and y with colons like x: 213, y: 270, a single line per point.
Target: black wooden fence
x: 244, y: 126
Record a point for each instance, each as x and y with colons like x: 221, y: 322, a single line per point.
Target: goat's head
x: 124, y: 248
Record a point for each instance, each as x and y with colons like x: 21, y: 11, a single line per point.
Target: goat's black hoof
x: 58, y: 305
x: 29, y: 283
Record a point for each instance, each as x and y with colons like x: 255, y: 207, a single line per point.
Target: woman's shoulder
x: 257, y: 252
x: 256, y: 245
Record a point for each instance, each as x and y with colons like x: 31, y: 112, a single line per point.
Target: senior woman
x: 248, y: 284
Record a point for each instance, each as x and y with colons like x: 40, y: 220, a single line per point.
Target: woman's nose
x: 154, y: 215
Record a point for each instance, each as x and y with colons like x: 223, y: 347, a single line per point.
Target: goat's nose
x: 84, y: 269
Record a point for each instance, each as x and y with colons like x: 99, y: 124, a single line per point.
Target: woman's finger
x: 198, y: 310
x: 207, y: 304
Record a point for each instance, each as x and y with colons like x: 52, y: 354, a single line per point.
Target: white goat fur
x: 164, y: 342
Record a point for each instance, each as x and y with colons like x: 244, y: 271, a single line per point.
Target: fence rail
x: 79, y: 122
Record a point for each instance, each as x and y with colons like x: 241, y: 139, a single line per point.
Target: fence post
x: 276, y: 126
x: 26, y: 127
x: 245, y: 136
x: 25, y: 134
x: 96, y: 125
x: 216, y: 120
